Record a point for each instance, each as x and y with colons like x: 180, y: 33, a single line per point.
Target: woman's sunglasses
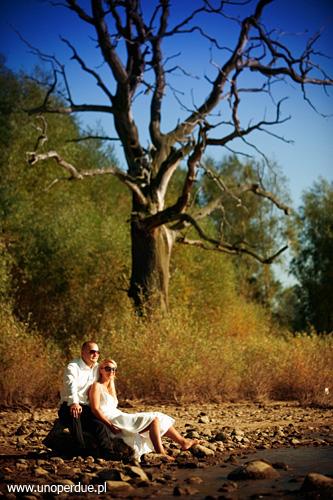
x: 109, y: 369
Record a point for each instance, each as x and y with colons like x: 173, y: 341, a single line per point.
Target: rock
x: 20, y: 466
x: 192, y: 434
x: 42, y: 462
x: 180, y: 491
x: 280, y: 465
x: 119, y: 488
x: 200, y: 451
x: 21, y: 441
x: 65, y: 482
x: 318, y: 483
x: 22, y: 429
x: 57, y: 460
x: 237, y: 432
x: 204, y: 420
x: 39, y: 472
x: 136, y: 472
x: 112, y: 475
x: 228, y: 487
x: 256, y: 469
x: 220, y: 436
x: 87, y: 477
x: 194, y: 480
x: 153, y: 459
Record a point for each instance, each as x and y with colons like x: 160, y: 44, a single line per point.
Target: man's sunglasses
x: 93, y: 351
x: 109, y: 369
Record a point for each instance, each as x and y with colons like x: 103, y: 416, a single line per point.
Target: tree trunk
x: 151, y: 252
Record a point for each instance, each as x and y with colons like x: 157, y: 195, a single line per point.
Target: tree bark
x: 151, y: 252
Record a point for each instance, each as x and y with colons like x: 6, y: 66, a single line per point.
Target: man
x: 80, y: 373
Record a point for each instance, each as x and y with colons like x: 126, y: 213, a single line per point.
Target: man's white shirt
x: 78, y: 377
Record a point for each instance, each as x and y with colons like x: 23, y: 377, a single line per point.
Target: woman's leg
x: 185, y: 443
x: 155, y: 436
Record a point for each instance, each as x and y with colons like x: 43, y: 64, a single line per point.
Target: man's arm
x: 71, y: 377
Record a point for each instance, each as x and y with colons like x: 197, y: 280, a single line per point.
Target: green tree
x: 50, y: 238
x: 313, y: 263
x: 243, y: 218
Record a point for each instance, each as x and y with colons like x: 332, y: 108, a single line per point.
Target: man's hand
x: 75, y: 410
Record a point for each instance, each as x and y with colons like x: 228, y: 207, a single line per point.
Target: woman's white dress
x: 132, y: 424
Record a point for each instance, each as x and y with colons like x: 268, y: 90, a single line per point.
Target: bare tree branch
x: 93, y: 137
x: 97, y: 77
x: 33, y: 158
x: 255, y: 188
x: 232, y: 249
x: 67, y: 110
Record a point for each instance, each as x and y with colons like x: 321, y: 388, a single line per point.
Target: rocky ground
x: 227, y: 463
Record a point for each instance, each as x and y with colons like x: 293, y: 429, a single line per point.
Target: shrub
x: 29, y: 370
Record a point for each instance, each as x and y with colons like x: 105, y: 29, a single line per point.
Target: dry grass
x: 179, y: 359
x: 30, y: 368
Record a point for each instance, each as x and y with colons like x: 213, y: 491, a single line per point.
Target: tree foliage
x: 313, y: 263
x: 58, y: 244
x: 246, y: 219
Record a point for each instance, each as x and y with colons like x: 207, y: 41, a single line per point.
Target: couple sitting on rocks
x: 89, y: 404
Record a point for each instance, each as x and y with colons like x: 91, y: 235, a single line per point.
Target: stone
x: 220, y: 436
x: 20, y: 466
x: 228, y: 487
x: 280, y: 465
x: 39, y: 472
x: 136, y: 472
x: 204, y: 419
x: 192, y: 434
x: 119, y: 488
x: 87, y: 477
x: 194, y: 480
x: 112, y: 475
x: 314, y: 482
x: 65, y: 482
x: 256, y: 469
x: 200, y: 451
x: 180, y: 491
x: 22, y: 429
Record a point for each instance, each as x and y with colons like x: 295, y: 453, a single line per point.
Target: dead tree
x: 130, y: 42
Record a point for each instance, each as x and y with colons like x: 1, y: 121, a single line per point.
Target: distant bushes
x: 180, y: 359
x: 30, y: 369
x: 174, y: 359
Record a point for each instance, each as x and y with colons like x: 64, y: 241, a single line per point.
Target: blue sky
x: 302, y: 162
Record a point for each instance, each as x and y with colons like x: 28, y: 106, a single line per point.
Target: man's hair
x: 85, y: 344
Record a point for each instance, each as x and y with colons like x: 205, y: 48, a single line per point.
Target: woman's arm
x: 95, y: 399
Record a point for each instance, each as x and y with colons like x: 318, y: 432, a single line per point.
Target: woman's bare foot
x: 188, y: 443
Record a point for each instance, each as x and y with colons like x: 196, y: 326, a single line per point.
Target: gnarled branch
x: 74, y: 174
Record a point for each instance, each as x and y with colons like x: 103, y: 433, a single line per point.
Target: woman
x: 141, y: 431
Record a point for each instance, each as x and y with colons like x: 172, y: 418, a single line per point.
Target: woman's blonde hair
x: 111, y: 385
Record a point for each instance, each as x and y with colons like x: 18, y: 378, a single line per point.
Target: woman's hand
x: 114, y: 429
